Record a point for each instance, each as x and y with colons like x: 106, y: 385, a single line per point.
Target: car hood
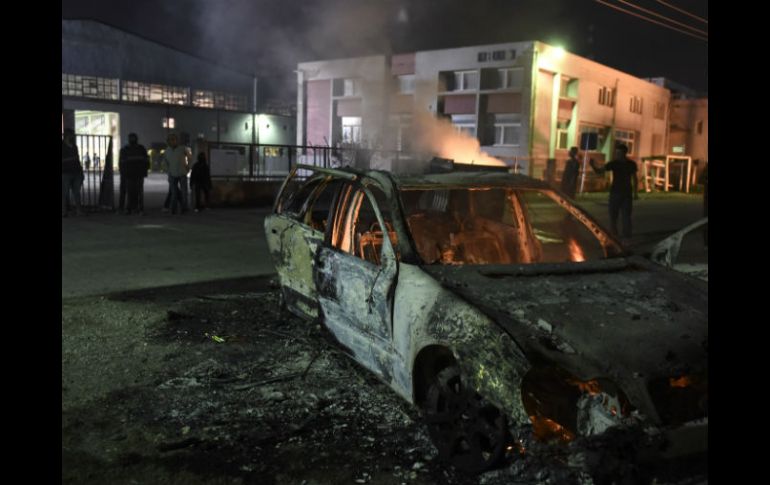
x: 625, y: 319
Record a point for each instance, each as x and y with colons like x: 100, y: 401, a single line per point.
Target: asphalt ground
x: 104, y: 252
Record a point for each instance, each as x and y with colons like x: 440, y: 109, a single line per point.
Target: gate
x: 97, y: 191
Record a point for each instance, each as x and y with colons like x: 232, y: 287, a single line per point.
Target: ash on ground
x: 215, y: 384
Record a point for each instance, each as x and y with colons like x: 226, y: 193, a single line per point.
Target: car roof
x: 468, y: 179
x: 459, y: 179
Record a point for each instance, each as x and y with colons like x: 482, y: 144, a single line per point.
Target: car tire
x: 468, y: 431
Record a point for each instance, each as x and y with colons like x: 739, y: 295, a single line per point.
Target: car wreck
x: 506, y: 313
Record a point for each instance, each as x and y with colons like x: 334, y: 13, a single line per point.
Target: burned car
x: 494, y: 304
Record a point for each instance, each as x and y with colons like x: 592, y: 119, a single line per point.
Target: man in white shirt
x: 177, y: 159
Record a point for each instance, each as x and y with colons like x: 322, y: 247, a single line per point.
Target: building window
x: 568, y: 88
x: 139, y: 92
x: 465, y: 80
x: 203, y: 99
x: 509, y: 78
x: 700, y: 127
x: 627, y: 138
x: 606, y: 96
x: 406, y: 84
x: 351, y: 129
x: 660, y: 111
x: 89, y: 87
x: 169, y: 123
x: 601, y: 135
x: 467, y: 128
x: 346, y: 87
x: 635, y: 105
x: 218, y: 100
x: 352, y: 87
x: 507, y: 134
x: 562, y: 135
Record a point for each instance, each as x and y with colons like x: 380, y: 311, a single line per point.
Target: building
x: 688, y: 122
x: 526, y: 103
x: 115, y: 82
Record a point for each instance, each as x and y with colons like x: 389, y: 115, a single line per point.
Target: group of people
x: 624, y: 188
x: 133, y: 166
x: 177, y: 158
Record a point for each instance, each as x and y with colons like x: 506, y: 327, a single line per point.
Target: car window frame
x: 345, y: 199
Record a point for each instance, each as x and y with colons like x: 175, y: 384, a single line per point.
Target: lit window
x: 89, y: 87
x: 169, y: 123
x: 351, y: 129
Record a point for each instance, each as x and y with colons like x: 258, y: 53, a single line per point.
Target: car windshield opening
x: 497, y: 225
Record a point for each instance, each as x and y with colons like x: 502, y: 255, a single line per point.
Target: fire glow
x: 440, y: 136
x: 681, y: 382
x: 575, y: 252
x: 546, y: 429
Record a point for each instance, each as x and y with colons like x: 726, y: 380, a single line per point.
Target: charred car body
x: 495, y: 305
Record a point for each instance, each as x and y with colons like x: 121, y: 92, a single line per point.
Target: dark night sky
x: 271, y: 36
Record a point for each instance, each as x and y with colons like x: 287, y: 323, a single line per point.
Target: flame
x: 546, y: 429
x: 575, y: 251
x: 681, y: 382
x: 442, y: 138
x: 590, y: 387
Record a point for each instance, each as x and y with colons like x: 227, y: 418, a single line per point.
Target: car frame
x: 484, y: 350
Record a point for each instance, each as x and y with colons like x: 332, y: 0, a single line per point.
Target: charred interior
x: 494, y: 225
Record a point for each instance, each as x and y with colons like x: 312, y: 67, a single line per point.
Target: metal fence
x: 269, y: 162
x: 96, y: 156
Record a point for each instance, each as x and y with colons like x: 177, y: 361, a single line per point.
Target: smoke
x: 278, y: 35
x: 440, y: 137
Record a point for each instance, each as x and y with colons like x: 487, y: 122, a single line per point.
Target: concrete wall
x: 686, y: 114
x: 592, y: 76
x: 428, y: 65
x: 375, y: 87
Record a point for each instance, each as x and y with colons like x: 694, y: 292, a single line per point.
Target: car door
x: 355, y: 276
x: 294, y: 231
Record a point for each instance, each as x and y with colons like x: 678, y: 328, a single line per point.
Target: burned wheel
x: 468, y: 431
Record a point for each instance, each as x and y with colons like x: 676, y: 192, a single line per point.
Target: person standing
x: 569, y: 179
x: 71, y: 172
x: 200, y: 181
x: 623, y: 190
x: 133, y: 168
x: 176, y: 157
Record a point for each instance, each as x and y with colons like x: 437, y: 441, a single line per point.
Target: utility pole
x: 253, y: 128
